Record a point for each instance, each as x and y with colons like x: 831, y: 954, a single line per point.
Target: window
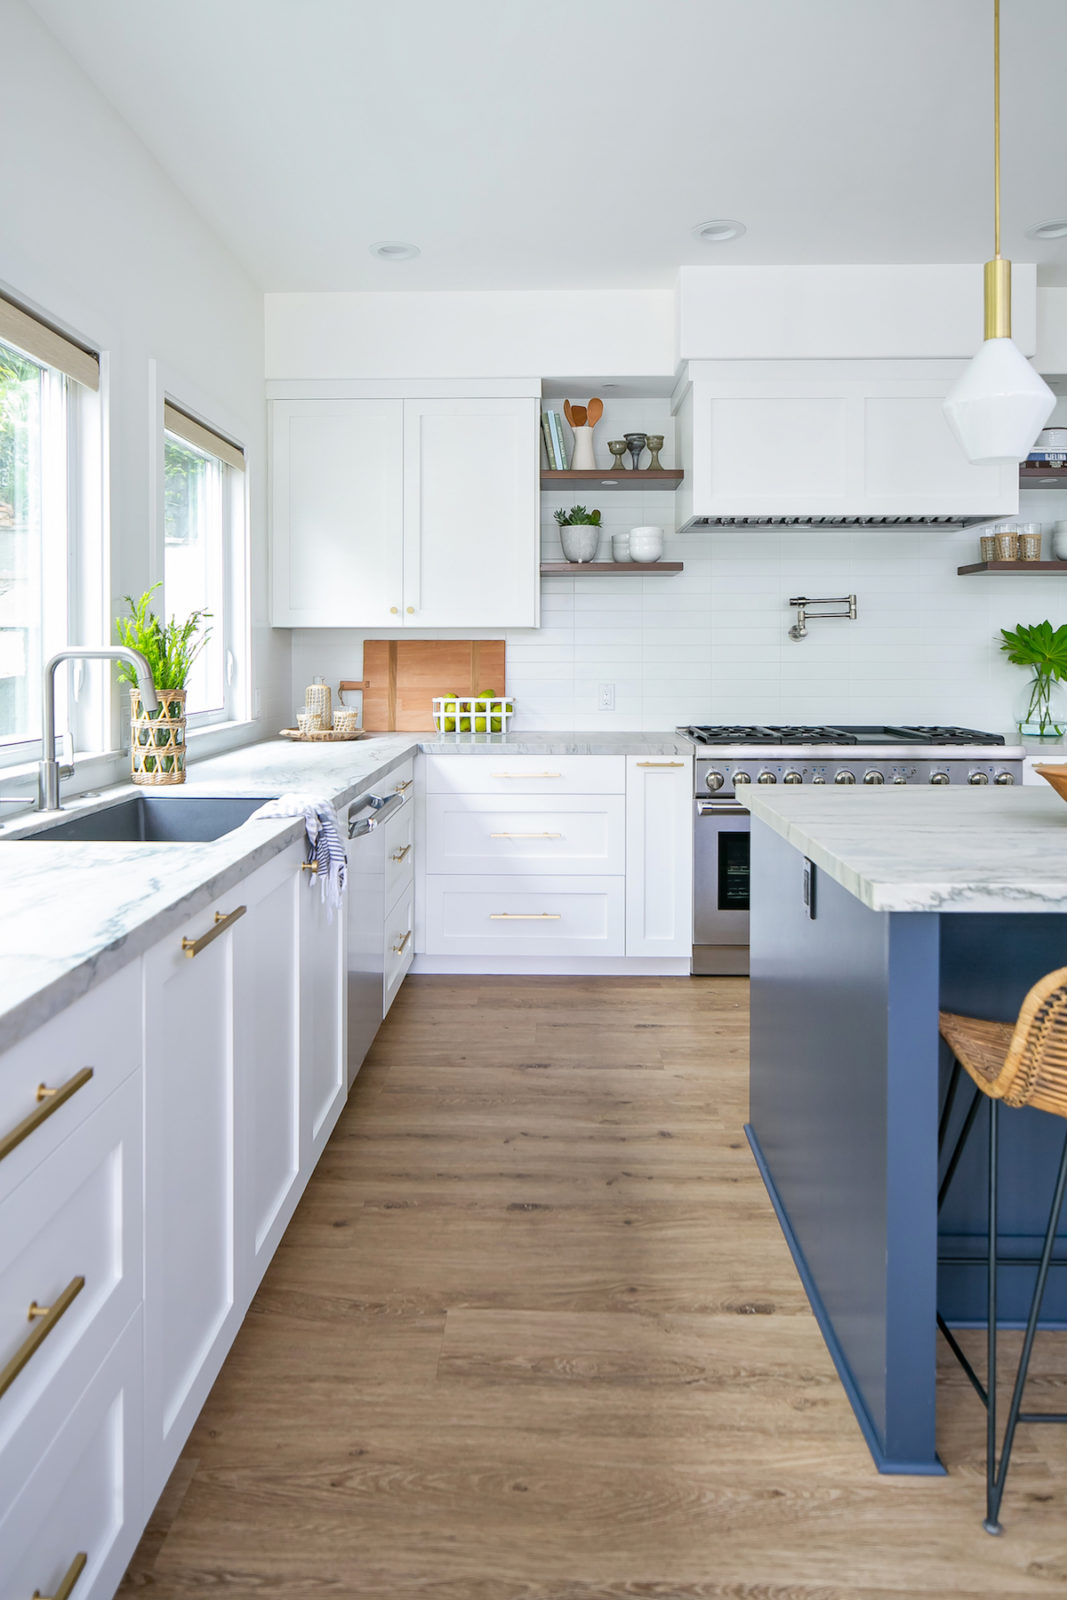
x: 44, y: 381
x: 203, y: 568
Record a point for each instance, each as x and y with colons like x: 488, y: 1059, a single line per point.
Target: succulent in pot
x: 579, y: 533
x: 157, y: 738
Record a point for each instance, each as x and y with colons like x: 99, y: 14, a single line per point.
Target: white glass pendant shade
x: 998, y: 405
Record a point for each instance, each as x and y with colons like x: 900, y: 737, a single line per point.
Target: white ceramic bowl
x: 646, y: 544
x: 620, y: 547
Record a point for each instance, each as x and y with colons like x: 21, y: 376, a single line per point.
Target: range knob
x: 873, y: 777
x: 792, y: 777
x: 978, y: 777
x: 714, y: 780
x: 845, y: 777
x: 741, y: 777
x: 1003, y: 777
x: 898, y: 777
x: 818, y: 778
x: 766, y: 777
x: 939, y: 777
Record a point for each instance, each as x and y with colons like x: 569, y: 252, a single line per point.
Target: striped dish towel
x: 325, y: 845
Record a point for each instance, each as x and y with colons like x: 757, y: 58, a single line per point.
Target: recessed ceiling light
x: 1048, y: 230
x: 394, y: 250
x: 718, y: 230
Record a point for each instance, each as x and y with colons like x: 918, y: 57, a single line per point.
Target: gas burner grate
x: 950, y: 735
x: 849, y: 734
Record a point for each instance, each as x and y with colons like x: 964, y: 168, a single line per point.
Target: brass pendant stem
x: 996, y: 131
x: 997, y: 299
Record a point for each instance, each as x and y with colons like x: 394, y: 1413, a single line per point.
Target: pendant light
x: 999, y: 405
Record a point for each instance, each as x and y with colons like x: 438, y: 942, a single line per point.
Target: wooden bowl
x: 1057, y: 777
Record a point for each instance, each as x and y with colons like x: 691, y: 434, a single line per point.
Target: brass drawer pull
x: 398, y: 949
x: 402, y: 788
x: 661, y: 763
x: 73, y: 1573
x: 45, y: 1318
x: 527, y: 774
x: 49, y: 1100
x: 525, y: 916
x: 309, y: 866
x: 526, y: 836
x: 223, y: 920
x: 398, y: 855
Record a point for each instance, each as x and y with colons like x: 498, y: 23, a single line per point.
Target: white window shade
x: 42, y: 343
x: 201, y: 438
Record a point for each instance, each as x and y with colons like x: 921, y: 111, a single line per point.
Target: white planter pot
x: 580, y: 541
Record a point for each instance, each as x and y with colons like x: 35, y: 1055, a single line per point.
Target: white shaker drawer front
x: 398, y: 845
x: 526, y: 833
x: 55, y: 1078
x: 399, y: 944
x: 489, y: 773
x: 525, y: 916
x: 70, y: 1262
x: 79, y: 1511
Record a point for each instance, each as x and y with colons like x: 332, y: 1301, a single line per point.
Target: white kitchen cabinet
x: 471, y: 513
x: 398, y: 513
x: 828, y: 439
x: 659, y: 856
x: 191, y: 1296
x: 554, y: 833
x: 526, y: 915
x: 337, y: 523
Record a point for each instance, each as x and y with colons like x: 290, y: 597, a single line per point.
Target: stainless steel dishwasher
x: 370, y: 830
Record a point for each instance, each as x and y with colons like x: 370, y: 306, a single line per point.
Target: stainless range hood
x: 800, y: 524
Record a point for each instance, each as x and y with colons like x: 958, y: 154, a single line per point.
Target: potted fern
x: 157, y: 738
x: 1043, y: 649
x: 579, y: 533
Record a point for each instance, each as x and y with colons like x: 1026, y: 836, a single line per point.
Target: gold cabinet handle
x: 661, y: 763
x: 73, y: 1573
x: 411, y: 611
x: 394, y: 611
x: 45, y: 1318
x: 398, y: 855
x: 526, y: 836
x: 527, y: 774
x: 309, y: 866
x: 402, y: 788
x: 223, y: 920
x: 525, y: 916
x: 49, y: 1100
x: 398, y: 949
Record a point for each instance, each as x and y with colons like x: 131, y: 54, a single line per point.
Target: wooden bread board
x: 401, y: 677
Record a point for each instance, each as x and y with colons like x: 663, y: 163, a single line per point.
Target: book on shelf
x: 546, y: 440
x: 1046, y: 458
x: 556, y: 424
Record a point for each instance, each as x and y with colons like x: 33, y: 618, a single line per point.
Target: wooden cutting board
x: 401, y: 677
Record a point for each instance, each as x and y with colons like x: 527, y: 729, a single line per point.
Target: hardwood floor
x: 534, y: 1334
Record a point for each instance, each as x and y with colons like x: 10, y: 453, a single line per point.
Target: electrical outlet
x: 606, y: 697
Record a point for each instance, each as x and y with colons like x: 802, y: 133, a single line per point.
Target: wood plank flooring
x: 534, y: 1334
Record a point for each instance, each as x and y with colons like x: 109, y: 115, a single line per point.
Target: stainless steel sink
x: 156, y: 819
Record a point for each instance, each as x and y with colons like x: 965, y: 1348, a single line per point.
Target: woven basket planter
x: 157, y: 739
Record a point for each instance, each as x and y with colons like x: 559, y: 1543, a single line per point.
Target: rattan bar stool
x: 1020, y: 1064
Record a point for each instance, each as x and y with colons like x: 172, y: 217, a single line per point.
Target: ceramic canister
x: 646, y: 544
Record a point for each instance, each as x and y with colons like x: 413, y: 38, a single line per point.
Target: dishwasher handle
x: 721, y: 808
x: 380, y: 808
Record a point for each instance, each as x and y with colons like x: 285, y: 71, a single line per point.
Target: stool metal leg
x: 992, y: 1498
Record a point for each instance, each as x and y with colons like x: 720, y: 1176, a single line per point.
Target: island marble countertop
x: 74, y: 913
x: 937, y: 849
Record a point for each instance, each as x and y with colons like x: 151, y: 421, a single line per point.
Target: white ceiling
x: 574, y: 143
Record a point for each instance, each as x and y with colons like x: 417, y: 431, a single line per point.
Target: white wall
x: 96, y: 237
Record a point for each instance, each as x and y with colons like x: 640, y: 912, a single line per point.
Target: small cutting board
x: 401, y: 677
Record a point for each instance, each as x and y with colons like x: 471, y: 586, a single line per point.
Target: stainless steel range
x: 730, y: 757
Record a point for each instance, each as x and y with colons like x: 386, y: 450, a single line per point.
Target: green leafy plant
x: 1043, y: 649
x: 170, y: 648
x: 577, y: 516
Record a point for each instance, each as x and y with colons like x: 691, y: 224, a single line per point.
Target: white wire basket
x: 456, y: 713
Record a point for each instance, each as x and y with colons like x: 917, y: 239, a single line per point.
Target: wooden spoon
x: 577, y: 416
x: 596, y: 411
x: 567, y: 412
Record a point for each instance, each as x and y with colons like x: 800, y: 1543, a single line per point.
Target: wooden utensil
x: 567, y: 412
x: 595, y: 412
x: 578, y: 416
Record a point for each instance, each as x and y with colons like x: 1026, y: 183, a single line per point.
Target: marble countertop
x: 73, y: 913
x: 930, y: 849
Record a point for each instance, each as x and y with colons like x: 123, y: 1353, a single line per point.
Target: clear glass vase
x: 1042, y: 710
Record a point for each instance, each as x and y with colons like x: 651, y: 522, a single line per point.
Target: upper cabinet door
x: 471, y: 513
x: 337, y: 513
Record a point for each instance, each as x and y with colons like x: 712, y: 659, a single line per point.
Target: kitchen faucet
x: 49, y: 771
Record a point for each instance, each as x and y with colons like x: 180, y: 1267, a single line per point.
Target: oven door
x: 721, y: 867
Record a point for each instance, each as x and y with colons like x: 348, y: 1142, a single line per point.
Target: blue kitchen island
x: 871, y: 910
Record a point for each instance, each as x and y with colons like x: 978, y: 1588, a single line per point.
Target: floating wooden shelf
x: 600, y: 569
x: 1010, y: 566
x: 664, y: 478
x: 1034, y: 474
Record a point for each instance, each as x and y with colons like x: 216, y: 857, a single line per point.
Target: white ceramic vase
x: 580, y: 541
x: 582, y: 459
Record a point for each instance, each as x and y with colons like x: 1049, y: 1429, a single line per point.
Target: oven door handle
x: 721, y: 808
